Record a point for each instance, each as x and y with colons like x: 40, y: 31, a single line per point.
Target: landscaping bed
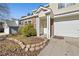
x: 27, y: 40
x: 10, y: 48
x: 31, y: 45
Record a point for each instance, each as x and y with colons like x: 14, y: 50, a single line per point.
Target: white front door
x: 45, y: 31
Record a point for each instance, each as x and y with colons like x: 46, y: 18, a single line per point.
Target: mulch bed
x: 28, y: 40
x: 10, y: 48
x: 15, y: 50
x: 33, y: 40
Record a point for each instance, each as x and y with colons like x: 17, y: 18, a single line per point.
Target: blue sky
x: 21, y: 9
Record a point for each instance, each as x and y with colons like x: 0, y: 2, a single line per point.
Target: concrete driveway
x: 61, y: 47
x: 3, y: 34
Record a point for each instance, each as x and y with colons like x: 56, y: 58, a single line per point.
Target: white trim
x: 41, y: 8
x: 38, y: 26
x: 29, y: 16
x: 48, y: 26
x: 47, y: 12
x: 73, y: 13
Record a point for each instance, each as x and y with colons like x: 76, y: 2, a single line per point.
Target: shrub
x: 27, y: 30
x: 20, y: 30
x: 32, y: 32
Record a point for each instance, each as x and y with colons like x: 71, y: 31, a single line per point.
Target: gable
x: 41, y: 13
x: 42, y: 10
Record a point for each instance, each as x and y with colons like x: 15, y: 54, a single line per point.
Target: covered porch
x: 45, y: 22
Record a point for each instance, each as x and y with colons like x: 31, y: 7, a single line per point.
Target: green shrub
x: 27, y: 30
x: 32, y: 32
x: 20, y: 30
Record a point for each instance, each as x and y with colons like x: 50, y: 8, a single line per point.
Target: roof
x: 11, y: 23
x: 27, y: 17
x: 45, y: 6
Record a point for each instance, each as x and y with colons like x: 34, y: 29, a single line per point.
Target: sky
x: 21, y: 9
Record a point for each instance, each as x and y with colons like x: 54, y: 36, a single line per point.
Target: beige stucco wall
x: 54, y: 7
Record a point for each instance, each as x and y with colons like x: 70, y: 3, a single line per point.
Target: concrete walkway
x: 61, y: 47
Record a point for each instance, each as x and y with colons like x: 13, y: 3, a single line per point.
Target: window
x: 64, y: 5
x: 26, y: 22
x: 70, y: 4
x: 29, y: 21
x: 21, y: 22
x: 61, y: 5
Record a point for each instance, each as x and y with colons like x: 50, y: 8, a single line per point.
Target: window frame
x: 61, y: 5
x: 70, y: 4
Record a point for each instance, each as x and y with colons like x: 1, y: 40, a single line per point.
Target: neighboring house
x: 8, y: 26
x: 56, y: 19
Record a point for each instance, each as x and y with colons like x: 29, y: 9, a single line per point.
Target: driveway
x: 61, y: 47
x: 3, y: 34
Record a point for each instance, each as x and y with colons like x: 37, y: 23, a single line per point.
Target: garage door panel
x: 67, y: 28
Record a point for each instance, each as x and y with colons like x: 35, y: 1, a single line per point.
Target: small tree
x: 27, y: 30
x: 4, y: 11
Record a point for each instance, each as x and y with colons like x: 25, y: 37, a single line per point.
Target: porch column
x: 48, y: 26
x: 38, y: 26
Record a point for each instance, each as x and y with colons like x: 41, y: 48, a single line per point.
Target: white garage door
x: 67, y: 28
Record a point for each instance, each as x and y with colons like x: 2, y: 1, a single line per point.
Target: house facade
x: 66, y: 19
x: 56, y: 19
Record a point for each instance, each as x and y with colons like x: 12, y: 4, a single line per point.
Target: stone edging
x: 18, y: 42
x: 32, y: 47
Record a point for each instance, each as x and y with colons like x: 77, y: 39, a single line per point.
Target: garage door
x: 67, y: 28
x: 13, y: 30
